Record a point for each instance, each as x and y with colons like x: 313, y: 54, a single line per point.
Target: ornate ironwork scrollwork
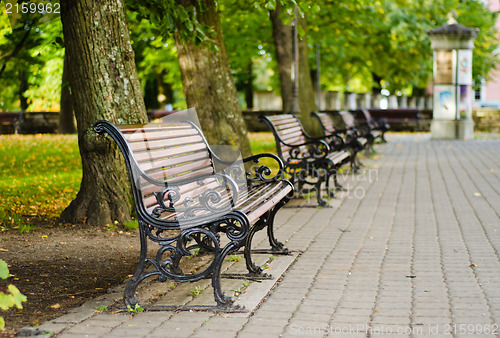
x: 213, y: 201
x: 262, y: 173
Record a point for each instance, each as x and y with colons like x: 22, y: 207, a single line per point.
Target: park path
x: 412, y: 248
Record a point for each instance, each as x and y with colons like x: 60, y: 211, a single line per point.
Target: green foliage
x: 384, y: 43
x: 132, y: 225
x: 197, y: 291
x: 10, y: 296
x: 30, y: 49
x: 39, y: 176
x: 170, y: 17
x: 4, y: 270
x: 157, y: 64
x: 134, y: 310
x: 234, y: 258
x: 102, y: 308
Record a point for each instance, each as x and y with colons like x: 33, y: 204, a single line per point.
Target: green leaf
x: 6, y: 301
x: 17, y: 296
x: 2, y: 323
x: 4, y: 270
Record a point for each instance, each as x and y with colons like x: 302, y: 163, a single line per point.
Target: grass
x: 41, y: 174
x: 262, y: 143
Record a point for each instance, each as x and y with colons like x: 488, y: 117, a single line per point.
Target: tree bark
x: 282, y: 35
x: 105, y: 86
x: 67, y: 123
x: 307, y: 97
x: 283, y: 44
x: 208, y: 82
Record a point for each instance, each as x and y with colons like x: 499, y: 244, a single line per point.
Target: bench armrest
x: 261, y: 173
x: 316, y: 149
x: 334, y: 139
x: 210, y: 200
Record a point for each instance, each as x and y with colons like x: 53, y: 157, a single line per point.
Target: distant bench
x: 401, y: 118
x: 29, y: 122
x: 308, y: 160
x: 9, y: 122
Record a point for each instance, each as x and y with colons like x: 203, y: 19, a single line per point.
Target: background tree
x: 249, y: 43
x: 157, y: 64
x: 370, y: 45
x: 208, y: 82
x: 105, y: 86
x: 67, y: 120
x: 206, y: 77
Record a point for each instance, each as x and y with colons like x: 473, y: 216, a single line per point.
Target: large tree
x: 206, y: 76
x: 104, y: 86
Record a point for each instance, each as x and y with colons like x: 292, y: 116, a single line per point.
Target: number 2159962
x: 31, y: 7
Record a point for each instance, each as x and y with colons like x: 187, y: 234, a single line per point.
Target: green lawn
x: 41, y: 174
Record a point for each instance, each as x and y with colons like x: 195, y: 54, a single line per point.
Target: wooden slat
x: 166, y: 143
x: 146, y: 134
x: 159, y: 164
x: 167, y: 153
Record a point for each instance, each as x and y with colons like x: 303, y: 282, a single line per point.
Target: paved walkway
x: 411, y: 249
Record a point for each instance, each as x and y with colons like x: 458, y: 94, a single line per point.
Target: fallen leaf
x: 411, y: 276
x: 477, y: 194
x: 473, y: 265
x: 55, y: 306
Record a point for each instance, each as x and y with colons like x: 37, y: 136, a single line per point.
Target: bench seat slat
x: 146, y: 134
x: 165, y: 143
x: 167, y: 153
x: 159, y: 164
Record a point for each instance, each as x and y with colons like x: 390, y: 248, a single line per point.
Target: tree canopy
x: 365, y: 45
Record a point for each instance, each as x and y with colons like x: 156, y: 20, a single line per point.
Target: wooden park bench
x: 184, y: 204
x: 351, y: 139
x: 362, y: 130
x: 309, y: 161
x: 10, y: 122
x: 378, y: 127
x: 401, y: 118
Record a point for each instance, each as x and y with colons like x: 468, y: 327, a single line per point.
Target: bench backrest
x: 348, y: 119
x: 287, y: 131
x: 163, y: 160
x: 326, y: 122
x: 367, y: 115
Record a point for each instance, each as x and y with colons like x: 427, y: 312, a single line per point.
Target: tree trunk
x: 282, y: 35
x: 23, y: 87
x: 67, y: 123
x: 208, y: 82
x: 307, y: 97
x: 105, y: 86
x: 283, y: 44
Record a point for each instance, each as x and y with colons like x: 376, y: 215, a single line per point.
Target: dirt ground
x: 60, y: 268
